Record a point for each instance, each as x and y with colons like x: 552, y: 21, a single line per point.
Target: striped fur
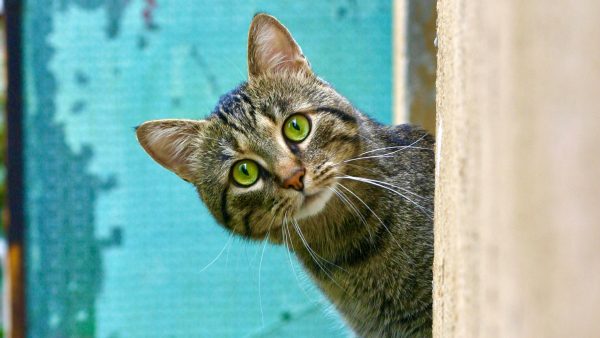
x: 370, y: 236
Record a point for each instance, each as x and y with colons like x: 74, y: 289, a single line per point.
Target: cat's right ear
x: 171, y: 143
x: 272, y: 49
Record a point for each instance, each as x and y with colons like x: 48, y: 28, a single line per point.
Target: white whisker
x: 311, y: 249
x: 388, y: 184
x: 219, y: 254
x: 386, y: 155
x: 377, y: 183
x: 284, y: 228
x: 396, y: 147
x: 353, y: 208
x: 378, y: 218
x: 262, y: 316
x: 312, y: 254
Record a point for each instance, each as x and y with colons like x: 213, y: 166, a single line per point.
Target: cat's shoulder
x: 409, y: 135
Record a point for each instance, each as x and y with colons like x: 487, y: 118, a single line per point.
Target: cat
x: 284, y: 157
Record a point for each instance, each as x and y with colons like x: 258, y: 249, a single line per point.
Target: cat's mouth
x: 314, y: 203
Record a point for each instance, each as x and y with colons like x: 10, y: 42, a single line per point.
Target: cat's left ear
x: 272, y: 49
x: 171, y: 143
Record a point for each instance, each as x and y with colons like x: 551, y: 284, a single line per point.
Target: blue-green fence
x: 116, y: 245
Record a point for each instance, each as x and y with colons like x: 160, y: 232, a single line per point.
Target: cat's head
x: 272, y: 148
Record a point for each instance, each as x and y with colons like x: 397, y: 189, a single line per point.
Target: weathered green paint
x: 116, y: 244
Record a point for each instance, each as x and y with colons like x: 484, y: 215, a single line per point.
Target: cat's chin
x: 313, y: 204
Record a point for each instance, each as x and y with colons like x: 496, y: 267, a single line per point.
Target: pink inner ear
x: 275, y: 50
x: 170, y: 143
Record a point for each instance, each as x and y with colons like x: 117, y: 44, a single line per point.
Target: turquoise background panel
x: 116, y: 245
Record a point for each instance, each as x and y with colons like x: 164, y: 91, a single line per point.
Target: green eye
x: 296, y: 128
x: 245, y: 172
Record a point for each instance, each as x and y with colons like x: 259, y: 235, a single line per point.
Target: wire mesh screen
x: 116, y: 245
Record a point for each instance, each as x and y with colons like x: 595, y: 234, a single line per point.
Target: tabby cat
x: 285, y: 157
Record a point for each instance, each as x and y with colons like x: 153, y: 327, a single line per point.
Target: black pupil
x: 244, y: 169
x: 295, y: 125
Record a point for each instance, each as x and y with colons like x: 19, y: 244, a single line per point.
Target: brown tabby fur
x: 370, y: 248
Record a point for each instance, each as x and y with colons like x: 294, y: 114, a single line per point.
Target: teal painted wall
x: 116, y: 245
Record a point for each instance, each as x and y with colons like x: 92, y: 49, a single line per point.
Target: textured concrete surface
x: 518, y: 194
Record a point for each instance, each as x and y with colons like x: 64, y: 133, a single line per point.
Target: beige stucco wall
x: 518, y: 178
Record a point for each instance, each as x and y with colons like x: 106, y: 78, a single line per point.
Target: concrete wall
x: 518, y: 187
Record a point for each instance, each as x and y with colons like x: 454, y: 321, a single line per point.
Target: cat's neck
x: 354, y: 217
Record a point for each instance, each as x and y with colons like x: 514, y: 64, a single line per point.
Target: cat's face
x: 273, y: 147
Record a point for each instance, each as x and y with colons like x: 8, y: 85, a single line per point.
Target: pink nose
x: 295, y: 181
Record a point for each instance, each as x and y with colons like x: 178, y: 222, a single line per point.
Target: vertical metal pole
x: 14, y: 214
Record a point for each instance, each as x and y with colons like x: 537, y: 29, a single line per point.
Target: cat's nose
x: 295, y: 180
